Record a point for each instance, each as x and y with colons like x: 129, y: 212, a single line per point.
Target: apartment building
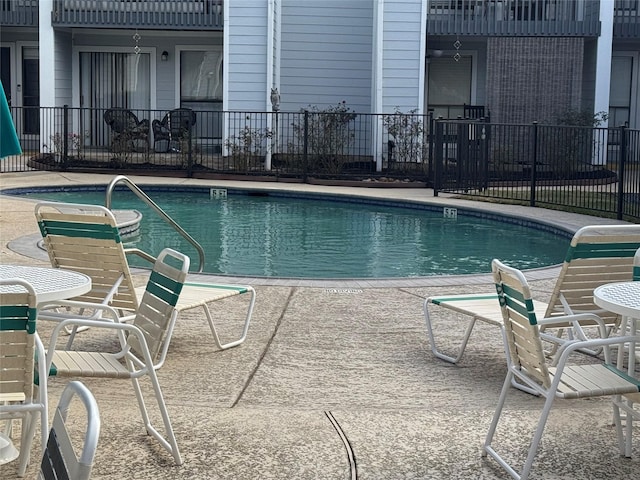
x: 519, y: 60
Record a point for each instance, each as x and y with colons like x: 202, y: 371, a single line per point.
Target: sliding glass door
x: 112, y: 80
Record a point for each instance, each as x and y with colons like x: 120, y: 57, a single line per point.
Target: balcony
x: 626, y: 19
x: 21, y: 13
x: 159, y: 14
x: 514, y: 17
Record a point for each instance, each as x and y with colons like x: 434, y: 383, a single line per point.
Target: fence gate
x: 461, y: 155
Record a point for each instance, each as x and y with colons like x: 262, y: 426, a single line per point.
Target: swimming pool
x: 286, y: 234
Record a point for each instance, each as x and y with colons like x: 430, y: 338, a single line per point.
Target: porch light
x: 164, y: 56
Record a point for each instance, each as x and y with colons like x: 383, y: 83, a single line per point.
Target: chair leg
x: 432, y: 340
x: 247, y: 321
x: 169, y: 443
x: 487, y: 449
x: 624, y: 434
x: 535, y: 442
x: 533, y: 449
x: 28, y: 432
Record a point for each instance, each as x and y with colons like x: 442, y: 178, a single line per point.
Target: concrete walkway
x: 335, y: 381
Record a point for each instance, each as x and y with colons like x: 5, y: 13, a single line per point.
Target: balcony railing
x: 626, y: 19
x: 514, y: 17
x: 177, y: 14
x: 22, y: 13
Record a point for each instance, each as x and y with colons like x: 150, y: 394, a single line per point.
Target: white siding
x: 246, y: 63
x: 326, y: 53
x: 401, y: 55
x: 63, y: 69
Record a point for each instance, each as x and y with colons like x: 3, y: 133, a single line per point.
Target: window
x: 201, y: 90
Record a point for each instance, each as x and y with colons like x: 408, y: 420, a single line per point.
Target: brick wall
x: 533, y: 78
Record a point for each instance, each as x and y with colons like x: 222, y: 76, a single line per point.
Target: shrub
x: 407, y: 132
x: 248, y: 146
x: 328, y: 136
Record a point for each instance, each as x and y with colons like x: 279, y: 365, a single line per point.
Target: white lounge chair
x: 86, y: 238
x: 597, y: 255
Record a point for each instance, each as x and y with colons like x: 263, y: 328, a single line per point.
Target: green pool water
x: 264, y: 235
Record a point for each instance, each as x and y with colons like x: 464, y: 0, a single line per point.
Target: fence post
x: 438, y: 161
x: 486, y: 138
x: 305, y: 146
x: 430, y: 140
x: 622, y: 155
x: 65, y: 136
x: 189, y: 154
x: 534, y: 161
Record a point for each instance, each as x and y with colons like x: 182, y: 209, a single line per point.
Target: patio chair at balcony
x: 126, y: 130
x: 529, y: 364
x: 473, y: 112
x: 173, y: 129
x: 60, y: 459
x: 20, y: 352
x: 143, y: 344
x: 597, y: 255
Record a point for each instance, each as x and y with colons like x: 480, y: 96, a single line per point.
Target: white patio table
x: 49, y: 283
x: 623, y: 298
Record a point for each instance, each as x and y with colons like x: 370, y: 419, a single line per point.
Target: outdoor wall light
x: 164, y: 56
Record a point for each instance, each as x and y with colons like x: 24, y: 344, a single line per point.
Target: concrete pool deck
x: 329, y: 360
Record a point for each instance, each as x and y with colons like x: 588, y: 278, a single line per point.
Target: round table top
x: 622, y: 298
x: 50, y: 284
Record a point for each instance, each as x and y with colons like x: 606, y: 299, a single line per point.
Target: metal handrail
x: 146, y: 199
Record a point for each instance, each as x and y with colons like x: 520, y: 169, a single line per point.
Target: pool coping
x: 556, y: 220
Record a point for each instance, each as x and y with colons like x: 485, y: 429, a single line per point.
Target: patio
x: 325, y: 360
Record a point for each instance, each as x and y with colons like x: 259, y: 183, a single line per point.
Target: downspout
x: 603, y: 76
x: 269, y: 80
x: 423, y: 56
x: 225, y: 77
x: 378, y: 61
x: 46, y: 64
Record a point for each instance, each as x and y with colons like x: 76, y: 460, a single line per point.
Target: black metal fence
x: 585, y: 169
x: 338, y: 143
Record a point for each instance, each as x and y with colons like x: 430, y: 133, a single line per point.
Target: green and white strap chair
x: 85, y: 238
x: 144, y: 342
x: 597, y: 254
x: 20, y: 350
x: 530, y: 367
x: 60, y: 459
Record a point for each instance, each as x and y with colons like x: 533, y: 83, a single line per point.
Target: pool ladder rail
x: 146, y: 199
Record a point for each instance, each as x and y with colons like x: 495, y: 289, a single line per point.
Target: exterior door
x: 201, y: 90
x: 449, y: 85
x: 6, y: 72
x: 622, y: 91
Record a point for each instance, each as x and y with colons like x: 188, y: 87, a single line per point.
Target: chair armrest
x: 574, y: 318
x: 120, y: 328
x: 77, y: 304
x: 570, y: 347
x: 140, y: 253
x: 159, y: 127
x: 142, y: 127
